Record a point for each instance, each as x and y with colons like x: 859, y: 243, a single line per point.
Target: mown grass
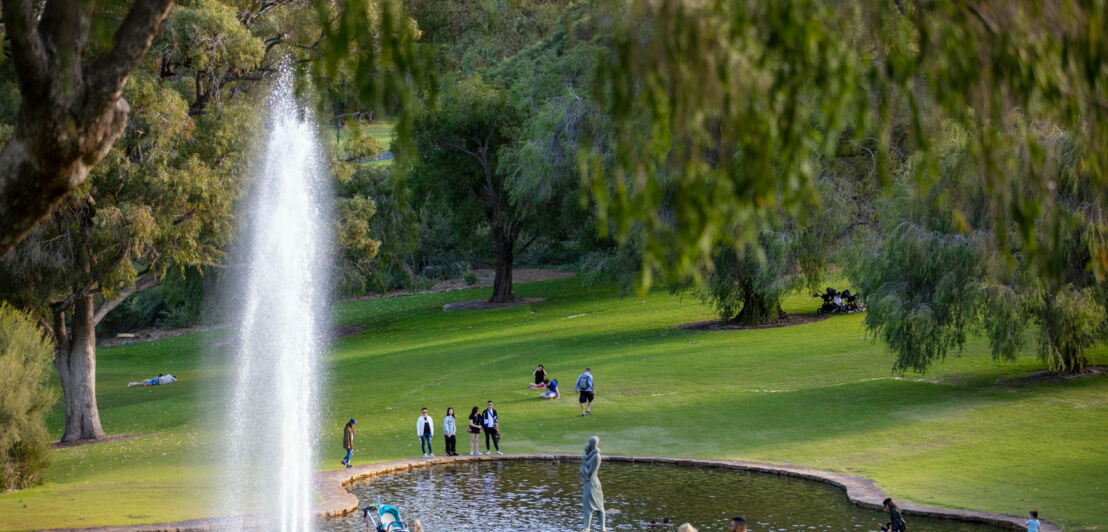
x: 970, y: 434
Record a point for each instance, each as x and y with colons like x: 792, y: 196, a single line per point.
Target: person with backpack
x: 588, y: 392
x: 896, y: 521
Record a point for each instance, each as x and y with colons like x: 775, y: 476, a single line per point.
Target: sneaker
x: 348, y: 466
x: 498, y: 451
x: 343, y: 462
x: 425, y: 455
x: 582, y: 414
x: 432, y: 455
x: 589, y: 411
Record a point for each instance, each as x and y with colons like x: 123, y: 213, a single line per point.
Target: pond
x: 513, y: 496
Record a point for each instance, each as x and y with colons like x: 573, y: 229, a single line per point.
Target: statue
x: 593, y: 496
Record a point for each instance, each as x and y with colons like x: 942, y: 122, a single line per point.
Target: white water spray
x: 271, y: 419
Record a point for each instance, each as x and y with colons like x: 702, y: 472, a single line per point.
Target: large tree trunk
x: 505, y: 256
x: 76, y: 363
x: 759, y: 310
x: 71, y: 112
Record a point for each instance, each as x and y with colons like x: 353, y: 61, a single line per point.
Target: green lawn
x: 969, y: 434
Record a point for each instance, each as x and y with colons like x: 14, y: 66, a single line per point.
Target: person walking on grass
x: 474, y: 430
x: 425, y: 429
x: 450, y: 431
x: 1033, y: 521
x: 348, y: 433
x: 490, y: 421
x: 588, y: 392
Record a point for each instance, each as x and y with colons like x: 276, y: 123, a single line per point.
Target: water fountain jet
x: 272, y: 412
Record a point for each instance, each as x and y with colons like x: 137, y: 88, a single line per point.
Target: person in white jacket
x: 425, y: 429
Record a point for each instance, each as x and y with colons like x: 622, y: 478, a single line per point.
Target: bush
x: 470, y: 277
x: 25, y: 396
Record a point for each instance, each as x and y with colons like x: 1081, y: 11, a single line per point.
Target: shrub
x: 470, y: 277
x: 25, y: 396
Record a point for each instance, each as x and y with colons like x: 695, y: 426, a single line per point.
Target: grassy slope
x: 818, y: 395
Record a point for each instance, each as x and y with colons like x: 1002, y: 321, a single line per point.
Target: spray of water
x: 274, y: 395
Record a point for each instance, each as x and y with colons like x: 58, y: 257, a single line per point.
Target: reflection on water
x: 544, y: 496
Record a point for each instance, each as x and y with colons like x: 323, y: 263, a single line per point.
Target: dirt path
x: 484, y: 279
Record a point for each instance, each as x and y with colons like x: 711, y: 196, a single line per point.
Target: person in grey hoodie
x: 450, y: 431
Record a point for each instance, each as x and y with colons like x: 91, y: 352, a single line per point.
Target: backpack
x: 583, y: 382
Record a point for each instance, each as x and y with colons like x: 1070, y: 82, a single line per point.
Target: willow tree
x: 778, y: 86
x: 936, y: 272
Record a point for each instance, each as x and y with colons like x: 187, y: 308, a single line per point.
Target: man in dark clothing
x: 491, y: 423
x: 348, y: 433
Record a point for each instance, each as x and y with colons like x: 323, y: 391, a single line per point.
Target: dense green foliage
x: 938, y: 272
x: 970, y: 435
x: 25, y: 399
x: 727, y: 111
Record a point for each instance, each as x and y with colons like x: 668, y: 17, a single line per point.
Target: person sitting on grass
x: 551, y: 392
x: 540, y: 377
x: 160, y: 379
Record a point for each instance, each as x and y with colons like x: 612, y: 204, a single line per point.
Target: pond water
x: 514, y: 496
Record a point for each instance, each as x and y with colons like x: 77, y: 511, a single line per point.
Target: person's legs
x: 588, y: 408
x: 496, y: 439
x: 473, y: 443
x: 583, y: 399
x: 349, y: 453
x: 425, y: 444
x: 488, y: 435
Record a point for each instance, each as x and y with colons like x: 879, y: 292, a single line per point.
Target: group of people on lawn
x: 584, y: 387
x: 487, y: 420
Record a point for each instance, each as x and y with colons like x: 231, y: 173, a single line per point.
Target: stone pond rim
x: 336, y: 501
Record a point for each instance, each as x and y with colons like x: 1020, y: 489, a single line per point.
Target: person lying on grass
x: 160, y: 379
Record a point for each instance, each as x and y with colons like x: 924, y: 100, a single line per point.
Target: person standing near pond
x: 425, y: 429
x: 896, y: 521
x: 490, y: 421
x: 449, y: 430
x: 474, y: 430
x: 348, y: 433
x: 593, y: 495
x: 588, y: 392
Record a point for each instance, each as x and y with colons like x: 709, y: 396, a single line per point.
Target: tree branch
x: 143, y: 283
x: 42, y: 322
x: 110, y: 71
x: 26, y: 44
x: 527, y: 245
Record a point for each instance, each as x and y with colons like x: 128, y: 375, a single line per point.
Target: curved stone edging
x: 338, y: 502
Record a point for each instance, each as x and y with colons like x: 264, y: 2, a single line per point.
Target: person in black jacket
x: 896, y: 522
x: 491, y: 423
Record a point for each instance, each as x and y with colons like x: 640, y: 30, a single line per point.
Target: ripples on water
x: 513, y: 496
